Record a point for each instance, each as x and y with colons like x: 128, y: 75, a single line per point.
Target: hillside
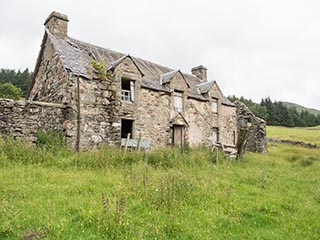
x: 301, y: 108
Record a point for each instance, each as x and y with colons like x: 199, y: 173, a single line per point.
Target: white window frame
x: 178, y: 101
x: 128, y: 95
x: 125, y: 95
x: 214, y: 105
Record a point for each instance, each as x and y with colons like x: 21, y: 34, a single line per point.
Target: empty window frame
x: 127, y: 90
x: 126, y: 128
x: 214, y: 105
x: 215, y: 135
x: 178, y: 101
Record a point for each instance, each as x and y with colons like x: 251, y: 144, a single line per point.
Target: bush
x: 51, y: 140
x: 7, y: 90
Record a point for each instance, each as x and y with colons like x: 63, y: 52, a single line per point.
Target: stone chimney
x: 200, y: 72
x: 57, y: 24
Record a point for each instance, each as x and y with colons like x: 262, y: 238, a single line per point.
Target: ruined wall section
x: 51, y: 81
x: 256, y: 128
x: 23, y: 119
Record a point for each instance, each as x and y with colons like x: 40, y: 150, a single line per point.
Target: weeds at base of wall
x: 51, y: 140
x: 51, y: 150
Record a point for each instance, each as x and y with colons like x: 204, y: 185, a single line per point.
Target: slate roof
x: 77, y: 55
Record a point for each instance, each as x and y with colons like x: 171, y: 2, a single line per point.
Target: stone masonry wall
x: 202, y: 121
x: 228, y: 125
x: 51, y: 81
x: 153, y: 120
x: 99, y: 109
x: 22, y: 119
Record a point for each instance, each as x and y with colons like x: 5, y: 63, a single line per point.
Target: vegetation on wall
x: 100, y: 67
x: 278, y: 114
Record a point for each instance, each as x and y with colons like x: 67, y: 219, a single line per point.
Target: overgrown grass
x: 164, y: 194
x: 308, y: 135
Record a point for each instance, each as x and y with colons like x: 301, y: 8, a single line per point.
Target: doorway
x: 126, y: 128
x: 178, y: 138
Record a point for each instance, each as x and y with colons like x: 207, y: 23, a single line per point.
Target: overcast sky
x: 253, y: 48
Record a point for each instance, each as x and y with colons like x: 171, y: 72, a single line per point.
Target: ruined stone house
x: 164, y: 105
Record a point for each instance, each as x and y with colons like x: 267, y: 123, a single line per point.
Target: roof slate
x: 77, y: 55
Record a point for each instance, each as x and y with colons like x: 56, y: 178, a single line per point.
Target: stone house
x: 129, y: 95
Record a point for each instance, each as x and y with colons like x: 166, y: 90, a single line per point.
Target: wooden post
x: 127, y: 141
x: 78, y: 115
x: 139, y: 141
x: 217, y: 157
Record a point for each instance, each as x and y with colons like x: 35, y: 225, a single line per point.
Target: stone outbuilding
x: 103, y: 95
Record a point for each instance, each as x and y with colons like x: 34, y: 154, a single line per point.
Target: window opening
x: 127, y: 90
x: 178, y: 101
x: 215, y: 136
x: 214, y: 105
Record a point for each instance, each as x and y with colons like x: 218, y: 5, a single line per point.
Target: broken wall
x: 256, y: 127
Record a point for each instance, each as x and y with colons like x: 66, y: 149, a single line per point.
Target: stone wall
x: 51, y: 81
x: 202, y: 121
x: 228, y: 126
x: 153, y: 120
x: 22, y: 119
x: 99, y: 113
x: 256, y: 137
x: 291, y: 142
x: 152, y: 112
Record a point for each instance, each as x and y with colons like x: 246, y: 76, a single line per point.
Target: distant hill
x: 300, y: 108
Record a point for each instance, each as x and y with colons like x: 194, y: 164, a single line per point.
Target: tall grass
x: 54, y: 193
x: 51, y: 151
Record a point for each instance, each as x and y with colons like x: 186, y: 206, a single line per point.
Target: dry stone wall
x: 23, y: 119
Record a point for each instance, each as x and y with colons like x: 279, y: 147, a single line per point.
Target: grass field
x: 308, y: 135
x: 106, y: 194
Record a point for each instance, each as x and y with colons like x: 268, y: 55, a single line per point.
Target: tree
x: 8, y: 90
x: 19, y: 79
x: 278, y: 114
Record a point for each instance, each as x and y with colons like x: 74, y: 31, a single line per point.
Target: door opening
x: 126, y: 127
x: 178, y: 138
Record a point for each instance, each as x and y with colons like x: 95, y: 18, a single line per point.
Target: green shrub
x: 306, y: 162
x: 51, y: 140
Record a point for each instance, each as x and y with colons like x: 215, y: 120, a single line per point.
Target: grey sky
x: 252, y: 48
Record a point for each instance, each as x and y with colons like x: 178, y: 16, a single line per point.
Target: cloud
x: 253, y: 48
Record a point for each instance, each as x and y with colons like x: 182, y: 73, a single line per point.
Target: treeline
x: 14, y: 84
x: 277, y: 114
